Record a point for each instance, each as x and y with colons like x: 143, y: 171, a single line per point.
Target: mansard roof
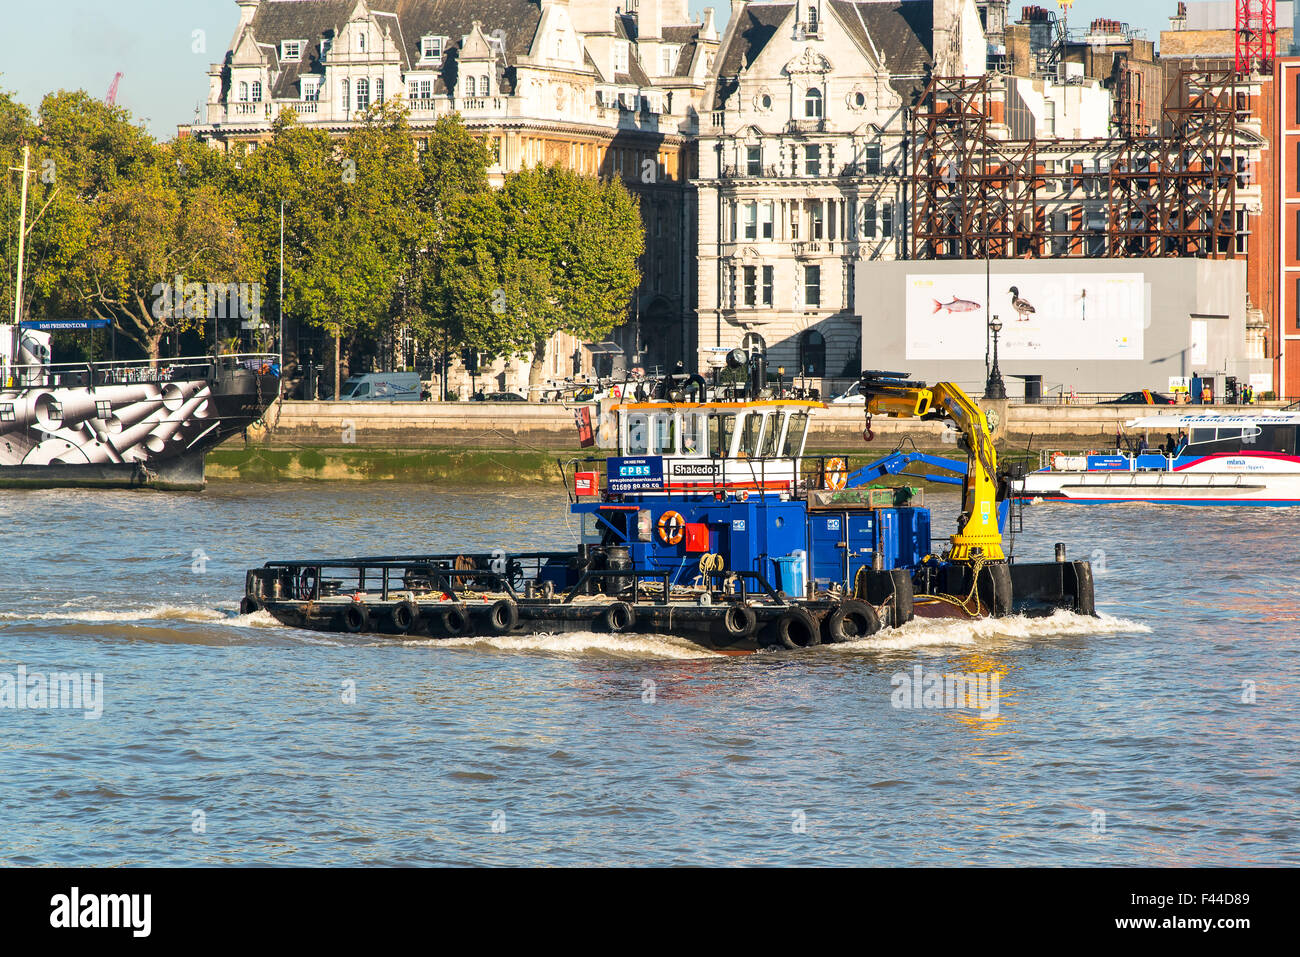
x: 317, y: 20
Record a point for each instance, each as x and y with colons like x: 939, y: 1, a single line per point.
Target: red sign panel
x: 582, y: 416
x: 584, y: 483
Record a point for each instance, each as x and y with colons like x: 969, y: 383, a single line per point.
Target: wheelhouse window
x: 722, y: 429
x: 636, y: 434
x: 795, y: 429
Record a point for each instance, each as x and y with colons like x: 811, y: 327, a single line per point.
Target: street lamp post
x: 995, y: 388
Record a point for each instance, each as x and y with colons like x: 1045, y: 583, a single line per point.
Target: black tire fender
x: 904, y: 597
x: 248, y: 605
x: 502, y: 617
x: 620, y: 616
x: 404, y: 616
x: 739, y: 621
x: 793, y: 629
x: 454, y: 622
x: 850, y: 621
x: 356, y: 617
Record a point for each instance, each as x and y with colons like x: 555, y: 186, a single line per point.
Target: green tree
x: 553, y: 251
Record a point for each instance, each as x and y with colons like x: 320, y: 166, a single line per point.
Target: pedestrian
x: 1142, y: 444
x: 1170, y: 444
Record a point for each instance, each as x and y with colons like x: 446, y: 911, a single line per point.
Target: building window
x: 431, y: 48
x: 379, y: 90
x: 812, y: 352
x: 817, y: 222
x: 291, y: 50
x: 753, y: 161
x: 243, y: 92
x: 812, y: 160
x: 424, y: 89
x: 812, y: 286
x: 768, y: 272
x: 753, y: 344
x: 868, y: 220
x: 812, y: 20
x: 311, y: 89
x: 850, y: 296
x: 794, y: 221
x: 361, y: 41
x: 483, y: 88
x: 620, y: 57
x: 751, y: 220
x: 751, y: 285
x: 471, y: 89
x: 346, y: 100
x: 257, y: 91
x: 363, y: 95
x: 886, y: 220
x: 765, y: 220
x: 812, y: 104
x: 668, y: 60
x: 871, y: 157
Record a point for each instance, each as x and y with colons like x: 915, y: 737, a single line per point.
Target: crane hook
x: 867, y: 434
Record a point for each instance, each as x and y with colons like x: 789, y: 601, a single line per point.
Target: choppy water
x: 226, y: 739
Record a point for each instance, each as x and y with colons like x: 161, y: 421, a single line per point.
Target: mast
x: 22, y: 237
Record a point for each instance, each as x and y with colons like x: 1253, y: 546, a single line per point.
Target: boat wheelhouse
x: 1217, y: 458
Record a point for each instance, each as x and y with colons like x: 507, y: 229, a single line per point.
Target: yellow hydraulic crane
x: 892, y: 395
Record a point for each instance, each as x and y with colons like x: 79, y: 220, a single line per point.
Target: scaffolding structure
x: 977, y: 194
x: 1256, y: 35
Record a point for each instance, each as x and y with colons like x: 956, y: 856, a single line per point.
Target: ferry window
x: 794, y: 431
x: 1201, y: 435
x: 665, y: 432
x: 721, y: 429
x: 750, y: 433
x: 637, y: 441
x: 695, y: 437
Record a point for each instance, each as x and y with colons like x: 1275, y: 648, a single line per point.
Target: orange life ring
x: 837, y: 474
x: 672, y: 528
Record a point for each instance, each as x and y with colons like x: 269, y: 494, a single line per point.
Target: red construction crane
x: 1256, y: 34
x: 111, y: 99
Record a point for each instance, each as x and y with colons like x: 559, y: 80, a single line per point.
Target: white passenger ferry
x: 1218, y: 459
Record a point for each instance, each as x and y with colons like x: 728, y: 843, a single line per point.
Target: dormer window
x: 620, y: 56
x: 311, y: 88
x: 291, y: 50
x: 668, y: 60
x: 430, y: 48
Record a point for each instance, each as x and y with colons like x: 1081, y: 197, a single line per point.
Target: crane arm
x: 893, y: 395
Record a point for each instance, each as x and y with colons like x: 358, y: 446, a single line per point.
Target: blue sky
x: 79, y: 44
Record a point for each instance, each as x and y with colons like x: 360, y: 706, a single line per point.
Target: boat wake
x: 925, y: 632
x: 583, y: 644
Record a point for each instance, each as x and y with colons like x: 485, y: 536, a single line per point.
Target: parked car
x: 497, y: 397
x: 382, y: 387
x: 850, y: 396
x: 1144, y: 397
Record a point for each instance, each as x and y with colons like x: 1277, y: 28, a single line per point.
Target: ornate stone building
x: 803, y: 168
x: 608, y: 87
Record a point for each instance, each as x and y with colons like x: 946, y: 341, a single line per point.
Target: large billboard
x: 1045, y: 316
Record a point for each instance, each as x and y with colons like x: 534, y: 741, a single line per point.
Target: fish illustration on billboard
x: 957, y: 305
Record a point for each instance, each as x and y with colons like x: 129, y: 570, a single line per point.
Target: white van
x: 382, y: 387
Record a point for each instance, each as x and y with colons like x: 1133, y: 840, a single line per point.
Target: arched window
x: 753, y: 344
x: 363, y: 94
x: 483, y: 87
x: 812, y: 104
x: 243, y: 92
x: 470, y: 87
x: 257, y: 91
x: 379, y: 90
x: 812, y: 19
x: 812, y: 354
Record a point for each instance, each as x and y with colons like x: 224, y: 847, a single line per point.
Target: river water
x: 1164, y: 733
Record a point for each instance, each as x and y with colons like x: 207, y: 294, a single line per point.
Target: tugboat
x: 713, y: 525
